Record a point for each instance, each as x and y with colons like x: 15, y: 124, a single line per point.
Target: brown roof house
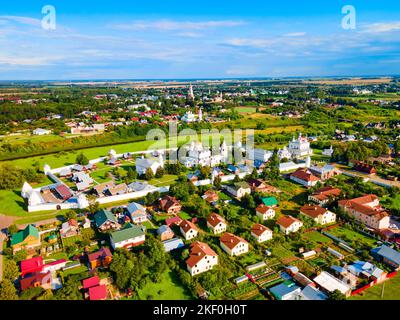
x: 319, y: 214
x: 188, y: 229
x: 170, y: 205
x: 289, y: 224
x: 367, y: 210
x: 233, y: 245
x: 216, y: 223
x: 201, y: 259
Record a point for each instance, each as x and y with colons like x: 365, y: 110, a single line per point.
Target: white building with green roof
x: 129, y: 236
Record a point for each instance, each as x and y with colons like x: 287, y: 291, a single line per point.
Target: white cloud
x: 295, y: 34
x: 22, y: 20
x: 381, y: 27
x: 174, y: 25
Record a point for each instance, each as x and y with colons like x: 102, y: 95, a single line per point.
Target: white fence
x: 131, y: 195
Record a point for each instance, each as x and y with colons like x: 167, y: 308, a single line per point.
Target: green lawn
x: 169, y: 288
x: 350, y: 235
x: 391, y: 292
x: 281, y: 252
x: 317, y: 237
x: 184, y: 215
x: 71, y: 240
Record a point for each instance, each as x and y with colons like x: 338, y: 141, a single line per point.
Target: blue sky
x: 197, y: 39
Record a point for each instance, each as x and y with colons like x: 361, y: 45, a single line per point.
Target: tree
x: 82, y: 159
x: 149, y: 174
x: 12, y: 229
x: 70, y: 215
x: 69, y: 291
x: 7, y: 290
x: 159, y: 173
x: 248, y: 202
x: 20, y: 255
x: 217, y: 182
x: 336, y: 295
x: 11, y: 270
x: 131, y: 174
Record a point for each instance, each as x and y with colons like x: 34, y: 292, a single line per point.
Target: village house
x: 105, y: 220
x: 116, y: 190
x: 93, y: 289
x: 325, y: 195
x: 130, y: 236
x: 216, y: 223
x: 329, y: 283
x: 170, y: 205
x: 289, y: 224
x: 137, y: 212
x: 265, y: 212
x: 69, y: 229
x: 173, y: 221
x: 201, y: 259
x: 258, y: 185
x: 319, y: 214
x: 143, y: 164
x: 26, y: 239
x: 324, y: 173
x: 261, y: 233
x: 367, y: 210
x: 304, y: 177
x: 36, y: 280
x: 165, y: 233
x: 188, y: 229
x: 211, y: 196
x: 233, y: 245
x: 364, y: 167
x: 238, y: 189
x: 387, y: 255
x: 100, y: 189
x: 32, y: 265
x: 173, y: 244
x: 100, y: 258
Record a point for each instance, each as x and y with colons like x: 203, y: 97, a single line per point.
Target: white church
x: 190, y: 117
x: 198, y: 155
x: 142, y: 164
x: 300, y: 147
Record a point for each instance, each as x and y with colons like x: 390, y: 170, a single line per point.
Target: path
x: 1, y: 256
x: 373, y: 178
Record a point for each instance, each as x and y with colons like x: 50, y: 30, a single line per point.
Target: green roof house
x: 238, y: 189
x: 27, y: 238
x: 270, y: 201
x: 129, y: 236
x: 105, y: 220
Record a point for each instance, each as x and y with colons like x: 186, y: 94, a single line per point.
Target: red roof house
x: 98, y: 292
x: 31, y: 265
x: 91, y: 282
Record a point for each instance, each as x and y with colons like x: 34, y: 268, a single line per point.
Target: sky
x: 174, y: 39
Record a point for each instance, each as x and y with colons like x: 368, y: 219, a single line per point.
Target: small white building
x: 265, y: 212
x: 238, y: 189
x: 233, y: 245
x: 216, y: 223
x: 41, y: 132
x: 142, y: 164
x: 261, y: 233
x: 201, y: 259
x: 319, y: 214
x: 289, y: 224
x: 188, y: 229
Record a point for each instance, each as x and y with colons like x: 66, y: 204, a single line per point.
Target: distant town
x: 90, y: 210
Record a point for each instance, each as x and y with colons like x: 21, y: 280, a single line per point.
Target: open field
x: 169, y: 288
x: 352, y: 81
x: 350, y: 235
x: 391, y: 291
x: 22, y: 138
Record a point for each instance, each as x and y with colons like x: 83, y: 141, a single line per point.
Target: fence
x: 371, y: 284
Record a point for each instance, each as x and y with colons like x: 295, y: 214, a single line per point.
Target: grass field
x: 169, y: 288
x: 391, y: 292
x: 317, y: 237
x: 347, y: 234
x: 245, y: 109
